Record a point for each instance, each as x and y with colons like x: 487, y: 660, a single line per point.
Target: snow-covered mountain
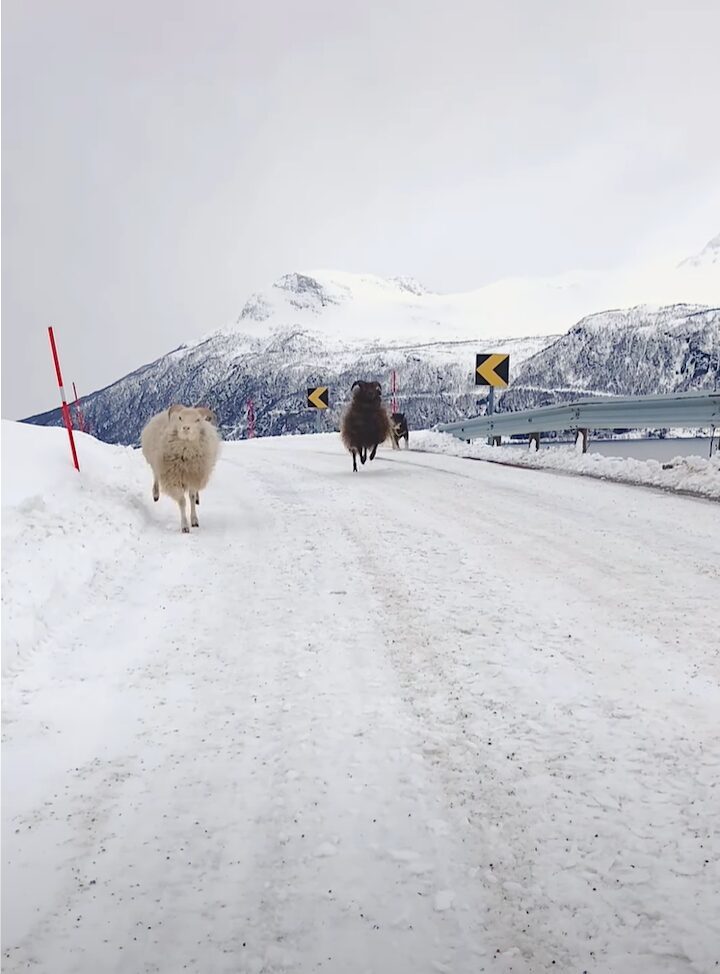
x: 225, y: 370
x: 321, y: 329
x: 364, y: 307
x: 638, y: 351
x: 708, y: 257
x: 329, y: 328
x: 355, y: 310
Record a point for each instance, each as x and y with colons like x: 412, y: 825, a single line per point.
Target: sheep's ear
x: 207, y: 414
x: 355, y: 383
x: 173, y: 409
x: 377, y: 386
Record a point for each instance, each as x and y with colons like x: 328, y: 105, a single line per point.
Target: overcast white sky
x: 163, y: 158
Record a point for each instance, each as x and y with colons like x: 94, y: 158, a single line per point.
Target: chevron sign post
x: 492, y: 370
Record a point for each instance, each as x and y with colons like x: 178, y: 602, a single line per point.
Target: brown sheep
x: 366, y: 423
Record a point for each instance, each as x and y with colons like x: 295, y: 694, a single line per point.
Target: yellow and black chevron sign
x: 318, y: 398
x: 492, y: 370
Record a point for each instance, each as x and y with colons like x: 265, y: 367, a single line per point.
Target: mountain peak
x: 307, y: 291
x: 710, y: 254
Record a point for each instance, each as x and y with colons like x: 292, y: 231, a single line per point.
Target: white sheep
x: 181, y: 445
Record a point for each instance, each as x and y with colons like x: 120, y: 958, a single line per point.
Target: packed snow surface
x: 687, y: 474
x: 438, y: 716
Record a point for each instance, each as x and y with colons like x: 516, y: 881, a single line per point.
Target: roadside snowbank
x: 692, y: 475
x: 59, y: 527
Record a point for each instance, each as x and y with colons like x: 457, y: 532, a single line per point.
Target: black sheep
x: 366, y: 423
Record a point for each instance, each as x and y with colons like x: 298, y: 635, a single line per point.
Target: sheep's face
x: 367, y: 392
x: 186, y: 422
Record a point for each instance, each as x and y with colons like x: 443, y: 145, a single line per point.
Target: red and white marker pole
x: 65, y: 407
x: 250, y: 419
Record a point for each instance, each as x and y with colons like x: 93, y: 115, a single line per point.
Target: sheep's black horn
x: 355, y: 383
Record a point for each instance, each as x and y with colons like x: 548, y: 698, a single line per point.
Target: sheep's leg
x: 156, y: 489
x: 193, y: 513
x: 197, y: 496
x: 373, y: 452
x: 354, y: 461
x: 179, y: 496
x: 363, y: 455
x: 184, y: 526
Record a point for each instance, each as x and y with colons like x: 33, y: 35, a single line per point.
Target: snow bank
x: 60, y: 527
x: 692, y: 475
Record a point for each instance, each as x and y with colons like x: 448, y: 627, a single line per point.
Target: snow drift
x: 61, y: 529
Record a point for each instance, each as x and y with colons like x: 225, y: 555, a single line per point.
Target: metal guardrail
x: 688, y: 409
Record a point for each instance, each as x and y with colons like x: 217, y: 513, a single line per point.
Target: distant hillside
x: 638, y: 351
x: 331, y: 328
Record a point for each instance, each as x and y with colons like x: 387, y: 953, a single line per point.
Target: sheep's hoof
x: 186, y: 530
x: 195, y: 523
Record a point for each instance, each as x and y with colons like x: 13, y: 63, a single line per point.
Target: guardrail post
x: 584, y: 434
x: 534, y: 439
x: 490, y: 410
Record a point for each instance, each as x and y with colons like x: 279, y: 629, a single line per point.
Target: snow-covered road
x: 437, y: 716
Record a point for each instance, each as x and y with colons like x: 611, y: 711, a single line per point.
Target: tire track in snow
x: 600, y: 658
